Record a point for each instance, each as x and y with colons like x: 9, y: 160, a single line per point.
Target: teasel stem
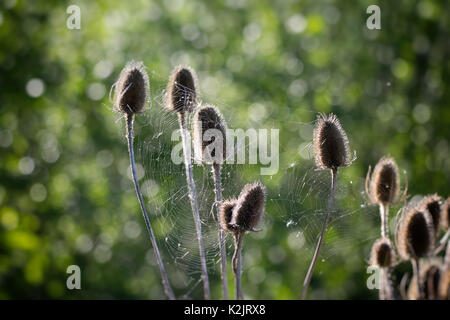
x: 382, y: 291
x: 194, y: 203
x: 217, y: 168
x: 165, y: 281
x: 322, y: 235
x: 389, y: 290
x: 442, y: 242
x: 237, y: 264
x: 416, y: 270
x: 384, y: 213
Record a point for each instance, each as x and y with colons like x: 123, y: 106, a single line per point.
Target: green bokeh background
x: 65, y: 194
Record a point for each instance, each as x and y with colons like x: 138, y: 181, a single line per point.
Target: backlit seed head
x: 415, y: 238
x: 384, y: 182
x: 132, y: 89
x: 250, y: 207
x: 445, y: 217
x: 432, y: 204
x: 331, y: 146
x: 181, y: 93
x: 225, y: 215
x: 209, y: 135
x: 382, y: 254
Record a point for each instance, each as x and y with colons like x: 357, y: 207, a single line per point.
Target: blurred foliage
x: 65, y: 194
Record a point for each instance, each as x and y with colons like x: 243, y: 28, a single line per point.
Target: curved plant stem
x: 194, y: 203
x: 386, y: 284
x: 416, y: 269
x: 384, y: 213
x: 165, y: 281
x: 324, y: 228
x: 237, y: 264
x: 382, y: 291
x: 442, y: 242
x: 447, y: 256
x: 223, y: 252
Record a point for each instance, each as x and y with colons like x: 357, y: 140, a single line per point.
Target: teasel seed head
x: 330, y: 142
x: 225, y: 215
x: 445, y: 218
x: 181, y: 92
x: 415, y: 238
x: 432, y: 204
x: 382, y: 254
x: 132, y: 89
x: 205, y: 118
x: 384, y: 182
x: 250, y: 207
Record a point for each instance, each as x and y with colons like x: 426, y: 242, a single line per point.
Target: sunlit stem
x: 237, y: 264
x: 194, y: 203
x: 386, y: 284
x: 416, y: 270
x: 165, y: 280
x: 223, y: 253
x: 384, y: 214
x: 322, y: 234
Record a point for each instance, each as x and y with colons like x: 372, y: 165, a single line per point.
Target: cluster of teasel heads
x: 416, y: 234
x: 416, y: 238
x: 130, y: 98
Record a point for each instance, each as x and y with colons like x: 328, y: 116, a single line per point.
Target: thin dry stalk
x: 165, y: 281
x: 322, y: 235
x: 237, y: 264
x: 194, y: 203
x: 223, y: 253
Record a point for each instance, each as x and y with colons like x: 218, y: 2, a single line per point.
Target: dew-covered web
x: 298, y: 201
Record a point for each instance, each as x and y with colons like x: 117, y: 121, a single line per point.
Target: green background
x: 65, y: 194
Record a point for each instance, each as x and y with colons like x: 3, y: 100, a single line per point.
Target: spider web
x: 298, y: 202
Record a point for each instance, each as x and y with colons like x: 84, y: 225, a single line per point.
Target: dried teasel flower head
x: 181, y: 92
x: 225, y: 215
x: 415, y: 234
x: 331, y: 147
x: 209, y: 135
x: 132, y: 89
x: 445, y: 214
x: 250, y: 207
x: 382, y: 254
x: 384, y: 182
x: 432, y: 204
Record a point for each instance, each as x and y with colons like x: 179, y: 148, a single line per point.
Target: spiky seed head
x: 132, y: 89
x: 225, y: 215
x: 330, y: 141
x: 250, y: 207
x: 208, y: 117
x: 445, y: 214
x: 432, y: 204
x: 384, y: 182
x: 181, y: 92
x: 415, y: 238
x: 382, y: 254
